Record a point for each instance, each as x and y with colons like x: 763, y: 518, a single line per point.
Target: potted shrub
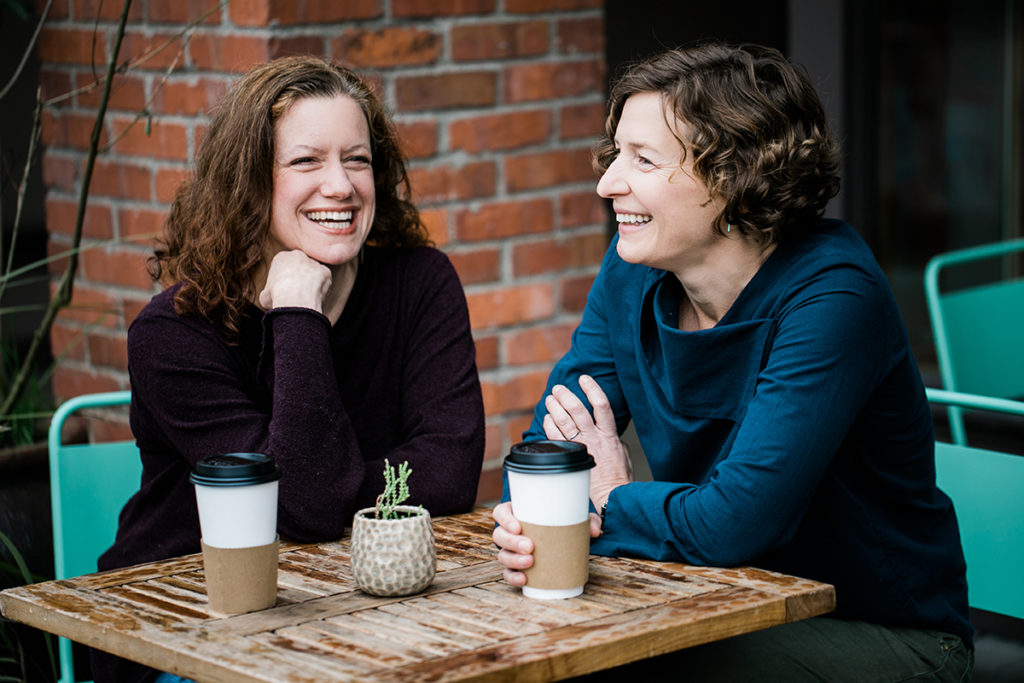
x: 393, y: 544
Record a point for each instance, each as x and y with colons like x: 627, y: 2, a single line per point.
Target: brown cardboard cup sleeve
x: 560, y: 555
x: 240, y: 579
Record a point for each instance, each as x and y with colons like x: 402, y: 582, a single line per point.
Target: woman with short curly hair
x: 305, y: 317
x: 759, y: 352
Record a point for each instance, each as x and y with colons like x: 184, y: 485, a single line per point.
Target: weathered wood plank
x: 343, y: 603
x: 610, y: 641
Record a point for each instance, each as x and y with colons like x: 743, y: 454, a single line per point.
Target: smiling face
x: 665, y: 214
x: 323, y: 198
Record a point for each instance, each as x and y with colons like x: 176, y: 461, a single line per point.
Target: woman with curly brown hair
x: 306, y: 317
x: 760, y: 354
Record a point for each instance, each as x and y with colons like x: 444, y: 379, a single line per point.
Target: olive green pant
x: 819, y: 649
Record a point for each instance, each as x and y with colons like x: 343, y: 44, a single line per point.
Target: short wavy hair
x: 219, y: 222
x: 759, y: 138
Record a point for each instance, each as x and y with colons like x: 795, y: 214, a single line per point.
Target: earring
x: 728, y: 227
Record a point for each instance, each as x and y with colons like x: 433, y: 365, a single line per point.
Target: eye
x: 644, y: 162
x: 357, y: 162
x: 302, y: 161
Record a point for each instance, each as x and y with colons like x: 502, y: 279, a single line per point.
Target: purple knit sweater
x: 395, y: 377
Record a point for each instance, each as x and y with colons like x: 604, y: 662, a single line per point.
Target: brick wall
x: 498, y: 102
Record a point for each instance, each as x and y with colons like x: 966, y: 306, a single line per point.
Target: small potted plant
x: 393, y: 544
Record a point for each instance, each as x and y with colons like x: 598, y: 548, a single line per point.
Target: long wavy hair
x: 219, y: 223
x: 758, y: 134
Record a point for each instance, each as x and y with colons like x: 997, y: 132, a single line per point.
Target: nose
x: 335, y: 181
x: 612, y: 184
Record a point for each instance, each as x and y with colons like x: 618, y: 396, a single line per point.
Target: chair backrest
x: 978, y: 329
x: 89, y: 484
x: 987, y: 489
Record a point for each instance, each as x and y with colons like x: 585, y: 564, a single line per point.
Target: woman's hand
x: 516, y: 552
x: 568, y: 419
x: 295, y: 279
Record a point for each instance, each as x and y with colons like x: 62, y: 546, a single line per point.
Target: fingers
x: 604, y: 418
x: 516, y: 549
x: 595, y: 525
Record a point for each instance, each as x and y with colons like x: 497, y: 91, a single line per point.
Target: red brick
x: 583, y: 35
x: 69, y: 382
x: 537, y: 345
x: 436, y: 221
x: 54, y: 84
x: 249, y: 12
x: 184, y: 11
x: 446, y: 91
x: 525, y: 6
x: 505, y: 219
x: 67, y: 342
x: 111, y: 430
x: 445, y: 183
x: 516, y: 425
x: 547, y: 169
x: 574, y: 292
x: 72, y: 130
x: 281, y: 46
x: 511, y: 305
x: 291, y: 12
x: 59, y: 45
x: 140, y: 223
x: 128, y: 93
x: 387, y: 47
x: 61, y: 214
x: 552, y: 256
x: 500, y: 131
x: 58, y: 10
x: 90, y: 306
x: 494, y: 442
x: 477, y: 266
x: 486, y: 352
x: 418, y: 138
x: 148, y: 51
x: 132, y: 308
x: 553, y: 80
x: 235, y: 53
x: 120, y: 179
x: 168, y: 179
x: 163, y: 140
x: 440, y: 8
x: 583, y: 208
x: 489, y: 489
x: 521, y: 392
x: 474, y: 42
x: 582, y: 121
x: 191, y: 96
x: 108, y: 350
x: 60, y: 172
x: 103, y: 10
x: 116, y: 266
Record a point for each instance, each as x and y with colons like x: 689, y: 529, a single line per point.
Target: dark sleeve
x: 204, y: 401
x: 442, y: 430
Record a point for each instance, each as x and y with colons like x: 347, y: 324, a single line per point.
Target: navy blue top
x: 794, y: 435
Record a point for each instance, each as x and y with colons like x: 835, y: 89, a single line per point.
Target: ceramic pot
x: 393, y: 556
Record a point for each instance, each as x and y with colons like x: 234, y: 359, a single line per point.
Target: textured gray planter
x: 393, y: 556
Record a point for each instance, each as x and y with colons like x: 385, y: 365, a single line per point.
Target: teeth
x: 631, y: 218
x: 333, y: 216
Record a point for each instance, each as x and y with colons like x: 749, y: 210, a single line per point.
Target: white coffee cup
x: 549, y: 486
x: 236, y: 494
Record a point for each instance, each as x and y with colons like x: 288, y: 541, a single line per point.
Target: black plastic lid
x: 548, y: 457
x: 235, y: 469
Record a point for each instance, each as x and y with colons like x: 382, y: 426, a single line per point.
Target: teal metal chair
x: 89, y: 484
x: 987, y: 488
x: 979, y: 330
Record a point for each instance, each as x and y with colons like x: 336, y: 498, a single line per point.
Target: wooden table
x: 468, y: 625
